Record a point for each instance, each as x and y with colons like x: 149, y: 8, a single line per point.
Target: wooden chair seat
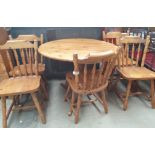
x: 136, y: 73
x: 19, y: 85
x: 70, y: 79
x: 41, y: 69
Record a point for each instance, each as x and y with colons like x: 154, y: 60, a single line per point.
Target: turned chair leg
x: 78, y: 109
x: 37, y: 104
x: 125, y: 104
x: 67, y: 93
x: 71, y: 104
x: 43, y: 87
x: 153, y: 94
x: 104, y: 101
x: 4, y: 115
x: 44, y: 79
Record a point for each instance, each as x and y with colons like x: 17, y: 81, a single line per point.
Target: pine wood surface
x: 64, y: 49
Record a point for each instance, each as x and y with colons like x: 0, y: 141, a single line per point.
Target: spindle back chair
x: 89, y: 79
x: 25, y: 82
x: 134, y: 72
x: 124, y: 35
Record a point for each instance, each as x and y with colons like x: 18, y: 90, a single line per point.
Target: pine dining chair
x: 25, y: 81
x: 90, y: 80
x: 133, y: 72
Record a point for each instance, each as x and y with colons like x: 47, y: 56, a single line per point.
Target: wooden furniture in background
x: 3, y: 36
x: 27, y: 82
x: 138, y: 31
x: 134, y: 72
x: 31, y: 38
x: 124, y: 35
x: 150, y: 57
x: 3, y: 71
x: 4, y: 65
x: 90, y: 80
x: 112, y: 37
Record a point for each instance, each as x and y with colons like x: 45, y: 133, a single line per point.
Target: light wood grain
x: 64, y: 49
x: 14, y: 44
x: 135, y: 71
x: 22, y: 82
x: 112, y: 37
x: 29, y: 37
x: 30, y: 69
x: 20, y: 85
x: 3, y: 35
x: 3, y: 64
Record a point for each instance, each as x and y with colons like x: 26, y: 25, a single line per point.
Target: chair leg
x: 104, y: 101
x: 44, y: 79
x: 36, y: 102
x: 4, y: 115
x: 44, y: 89
x: 71, y: 104
x: 78, y: 109
x: 112, y: 78
x: 125, y: 104
x: 153, y: 94
x: 67, y: 93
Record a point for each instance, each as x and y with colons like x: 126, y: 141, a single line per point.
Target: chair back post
x: 41, y: 42
x: 41, y: 39
x: 103, y: 35
x: 119, y: 56
x: 76, y: 69
x: 36, y: 56
x: 145, y: 50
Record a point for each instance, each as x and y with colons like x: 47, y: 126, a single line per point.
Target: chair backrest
x: 131, y: 50
x: 31, y: 38
x: 124, y: 35
x: 141, y: 32
x: 21, y: 53
x: 95, y: 70
x: 112, y: 37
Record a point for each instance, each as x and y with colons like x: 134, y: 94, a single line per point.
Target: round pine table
x: 64, y: 49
